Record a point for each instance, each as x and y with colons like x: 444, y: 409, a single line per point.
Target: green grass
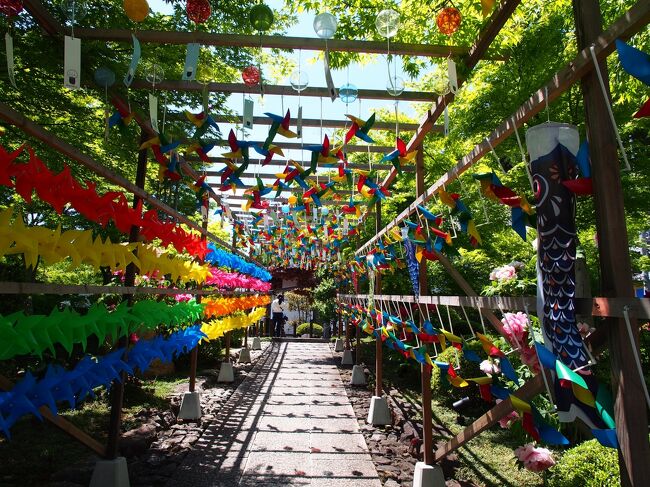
x: 38, y: 449
x: 488, y: 459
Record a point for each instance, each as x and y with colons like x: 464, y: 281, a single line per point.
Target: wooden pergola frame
x: 631, y: 427
x: 281, y: 90
x: 636, y: 17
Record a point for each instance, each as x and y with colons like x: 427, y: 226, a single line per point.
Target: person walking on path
x: 277, y: 315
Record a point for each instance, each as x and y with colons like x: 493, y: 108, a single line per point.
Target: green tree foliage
x: 300, y: 302
x: 538, y: 40
x: 324, y: 296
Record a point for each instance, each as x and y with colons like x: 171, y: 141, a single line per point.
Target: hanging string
x: 487, y: 139
x: 541, y: 367
x: 609, y: 109
x: 469, y: 323
x: 480, y: 314
x: 426, y: 308
x: 523, y: 154
x: 451, y: 325
x: 548, y: 113
x: 396, y: 118
x: 514, y: 336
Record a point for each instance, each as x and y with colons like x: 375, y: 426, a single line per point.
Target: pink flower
x: 504, y: 273
x: 490, y: 368
x: 182, y: 298
x: 529, y: 358
x: 508, y: 419
x: 515, y: 325
x: 534, y: 459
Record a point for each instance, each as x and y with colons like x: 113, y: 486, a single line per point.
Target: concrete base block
x: 257, y: 344
x: 226, y: 373
x: 338, y: 345
x: 379, y: 414
x: 347, y: 358
x: 190, y: 406
x: 428, y: 475
x: 245, y: 356
x: 358, y: 377
x: 110, y: 473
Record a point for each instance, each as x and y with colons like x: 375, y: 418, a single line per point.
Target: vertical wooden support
x: 379, y: 351
x: 194, y: 354
x: 615, y: 268
x: 347, y: 334
x: 340, y: 329
x: 425, y: 369
x: 117, y: 387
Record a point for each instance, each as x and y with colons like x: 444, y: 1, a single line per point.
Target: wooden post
x: 347, y: 334
x: 340, y: 330
x: 615, y: 268
x: 194, y: 354
x: 117, y: 387
x: 379, y: 351
x: 425, y: 369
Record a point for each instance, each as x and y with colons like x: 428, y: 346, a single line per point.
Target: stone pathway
x: 289, y: 423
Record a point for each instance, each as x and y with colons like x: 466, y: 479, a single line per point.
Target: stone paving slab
x: 289, y: 423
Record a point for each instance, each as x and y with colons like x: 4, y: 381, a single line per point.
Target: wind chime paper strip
x: 9, y: 49
x: 191, y: 61
x: 153, y: 112
x: 249, y: 106
x: 72, y: 63
x: 299, y: 123
x: 453, y: 77
x: 328, y: 76
x: 135, y: 59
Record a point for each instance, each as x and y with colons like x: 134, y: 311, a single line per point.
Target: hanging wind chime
x: 325, y: 27
x: 11, y: 8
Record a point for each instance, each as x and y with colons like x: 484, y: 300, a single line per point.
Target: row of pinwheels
x: 420, y: 341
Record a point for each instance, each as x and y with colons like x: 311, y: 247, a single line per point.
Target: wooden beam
x: 526, y: 392
x: 61, y: 289
x: 498, y: 19
x: 630, y: 412
x: 276, y: 42
x: 626, y: 26
x: 313, y: 123
x: 598, y: 306
x: 320, y: 92
x: 44, y: 18
x: 63, y: 424
x: 12, y: 117
x: 283, y: 163
x: 374, y: 149
x: 265, y: 177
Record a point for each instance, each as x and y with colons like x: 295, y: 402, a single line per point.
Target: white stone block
x: 226, y: 373
x: 347, y: 358
x: 358, y: 377
x: 245, y: 356
x: 428, y: 475
x: 379, y: 413
x: 190, y: 406
x: 110, y: 473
